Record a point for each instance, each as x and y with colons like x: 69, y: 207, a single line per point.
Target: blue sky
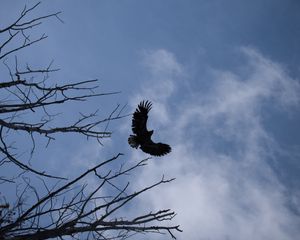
x: 223, y: 77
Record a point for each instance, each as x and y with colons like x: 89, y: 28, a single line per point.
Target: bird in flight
x: 142, y: 137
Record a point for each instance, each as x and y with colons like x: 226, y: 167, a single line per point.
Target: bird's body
x: 142, y: 137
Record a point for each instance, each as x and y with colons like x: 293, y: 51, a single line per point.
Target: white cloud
x: 225, y: 188
x: 164, y: 71
x: 161, y: 63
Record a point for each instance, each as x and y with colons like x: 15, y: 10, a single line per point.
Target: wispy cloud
x: 225, y: 187
x: 161, y: 83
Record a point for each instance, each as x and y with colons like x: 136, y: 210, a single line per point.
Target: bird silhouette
x: 142, y: 137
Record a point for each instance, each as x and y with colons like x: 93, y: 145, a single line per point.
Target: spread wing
x: 156, y: 149
x: 142, y: 136
x: 140, y: 116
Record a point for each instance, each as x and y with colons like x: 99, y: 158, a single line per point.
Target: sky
x: 224, y: 80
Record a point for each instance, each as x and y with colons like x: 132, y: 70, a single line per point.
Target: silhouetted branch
x: 20, y: 27
x: 78, y: 215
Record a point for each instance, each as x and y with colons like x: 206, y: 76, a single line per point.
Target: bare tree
x: 52, y: 206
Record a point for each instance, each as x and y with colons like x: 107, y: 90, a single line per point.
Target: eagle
x: 142, y: 137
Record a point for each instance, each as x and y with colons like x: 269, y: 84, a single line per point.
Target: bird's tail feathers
x: 133, y: 142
